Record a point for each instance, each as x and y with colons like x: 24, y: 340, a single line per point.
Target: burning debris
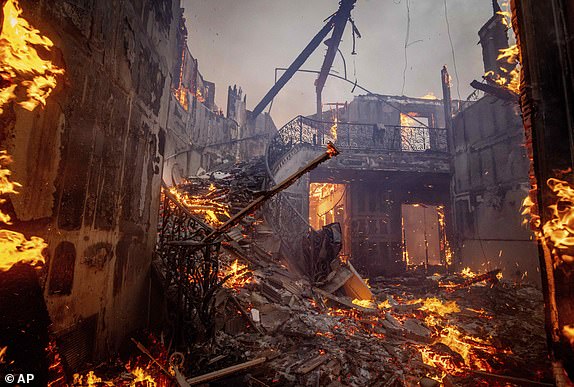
x: 411, y: 327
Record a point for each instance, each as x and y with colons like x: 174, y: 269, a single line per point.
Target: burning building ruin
x: 150, y: 238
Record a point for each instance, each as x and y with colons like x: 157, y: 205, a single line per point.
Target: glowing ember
x: 2, y: 354
x: 14, y: 247
x: 236, y: 276
x: 20, y: 64
x: 207, y: 208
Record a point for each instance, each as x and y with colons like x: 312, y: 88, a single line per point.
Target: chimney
x: 493, y: 38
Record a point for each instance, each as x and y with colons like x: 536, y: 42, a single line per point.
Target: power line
x: 451, y: 49
x: 407, y: 37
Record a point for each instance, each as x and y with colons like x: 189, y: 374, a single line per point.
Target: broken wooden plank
x: 312, y: 364
x: 341, y: 275
x: 342, y: 301
x: 225, y: 371
x: 356, y: 287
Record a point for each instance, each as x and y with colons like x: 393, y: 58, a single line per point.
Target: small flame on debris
x: 199, y: 96
x: 444, y: 243
x: 141, y: 376
x: 207, y: 208
x: 334, y: 129
x: 434, y: 305
x: 365, y: 303
x: 238, y: 275
x: 89, y: 380
x: 468, y: 273
x: 568, y: 331
x: 331, y: 150
x: 429, y: 95
x: 20, y: 64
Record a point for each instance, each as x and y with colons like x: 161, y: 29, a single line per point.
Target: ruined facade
x: 490, y: 178
x: 91, y: 162
x: 490, y: 182
x: 90, y: 165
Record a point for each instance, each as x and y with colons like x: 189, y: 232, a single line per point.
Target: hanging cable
x: 451, y: 49
x: 354, y: 75
x: 407, y: 37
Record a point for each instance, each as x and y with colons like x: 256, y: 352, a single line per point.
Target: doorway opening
x: 422, y: 235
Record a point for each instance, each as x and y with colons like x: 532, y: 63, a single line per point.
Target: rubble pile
x: 415, y: 330
x: 233, y: 185
x: 321, y: 324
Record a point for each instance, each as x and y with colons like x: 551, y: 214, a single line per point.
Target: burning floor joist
x: 150, y: 238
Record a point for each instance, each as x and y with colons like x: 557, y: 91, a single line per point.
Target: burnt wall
x: 490, y: 182
x: 90, y: 162
x: 373, y: 212
x: 384, y: 110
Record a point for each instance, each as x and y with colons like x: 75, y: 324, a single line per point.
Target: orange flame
x: 468, y: 273
x: 434, y: 305
x: 560, y: 229
x: 238, y: 275
x: 334, y: 129
x: 429, y: 95
x: 14, y: 247
x: 142, y: 377
x: 89, y: 380
x: 207, y: 208
x: 20, y: 61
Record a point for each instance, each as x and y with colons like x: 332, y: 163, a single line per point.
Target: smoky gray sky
x: 243, y: 41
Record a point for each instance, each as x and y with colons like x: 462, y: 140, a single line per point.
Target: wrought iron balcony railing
x: 356, y: 136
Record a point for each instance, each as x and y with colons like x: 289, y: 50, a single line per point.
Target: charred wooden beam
x: 545, y: 31
x: 496, y: 91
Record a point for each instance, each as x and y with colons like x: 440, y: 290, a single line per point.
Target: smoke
x: 242, y: 42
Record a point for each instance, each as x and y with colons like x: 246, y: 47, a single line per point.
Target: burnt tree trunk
x: 544, y: 32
